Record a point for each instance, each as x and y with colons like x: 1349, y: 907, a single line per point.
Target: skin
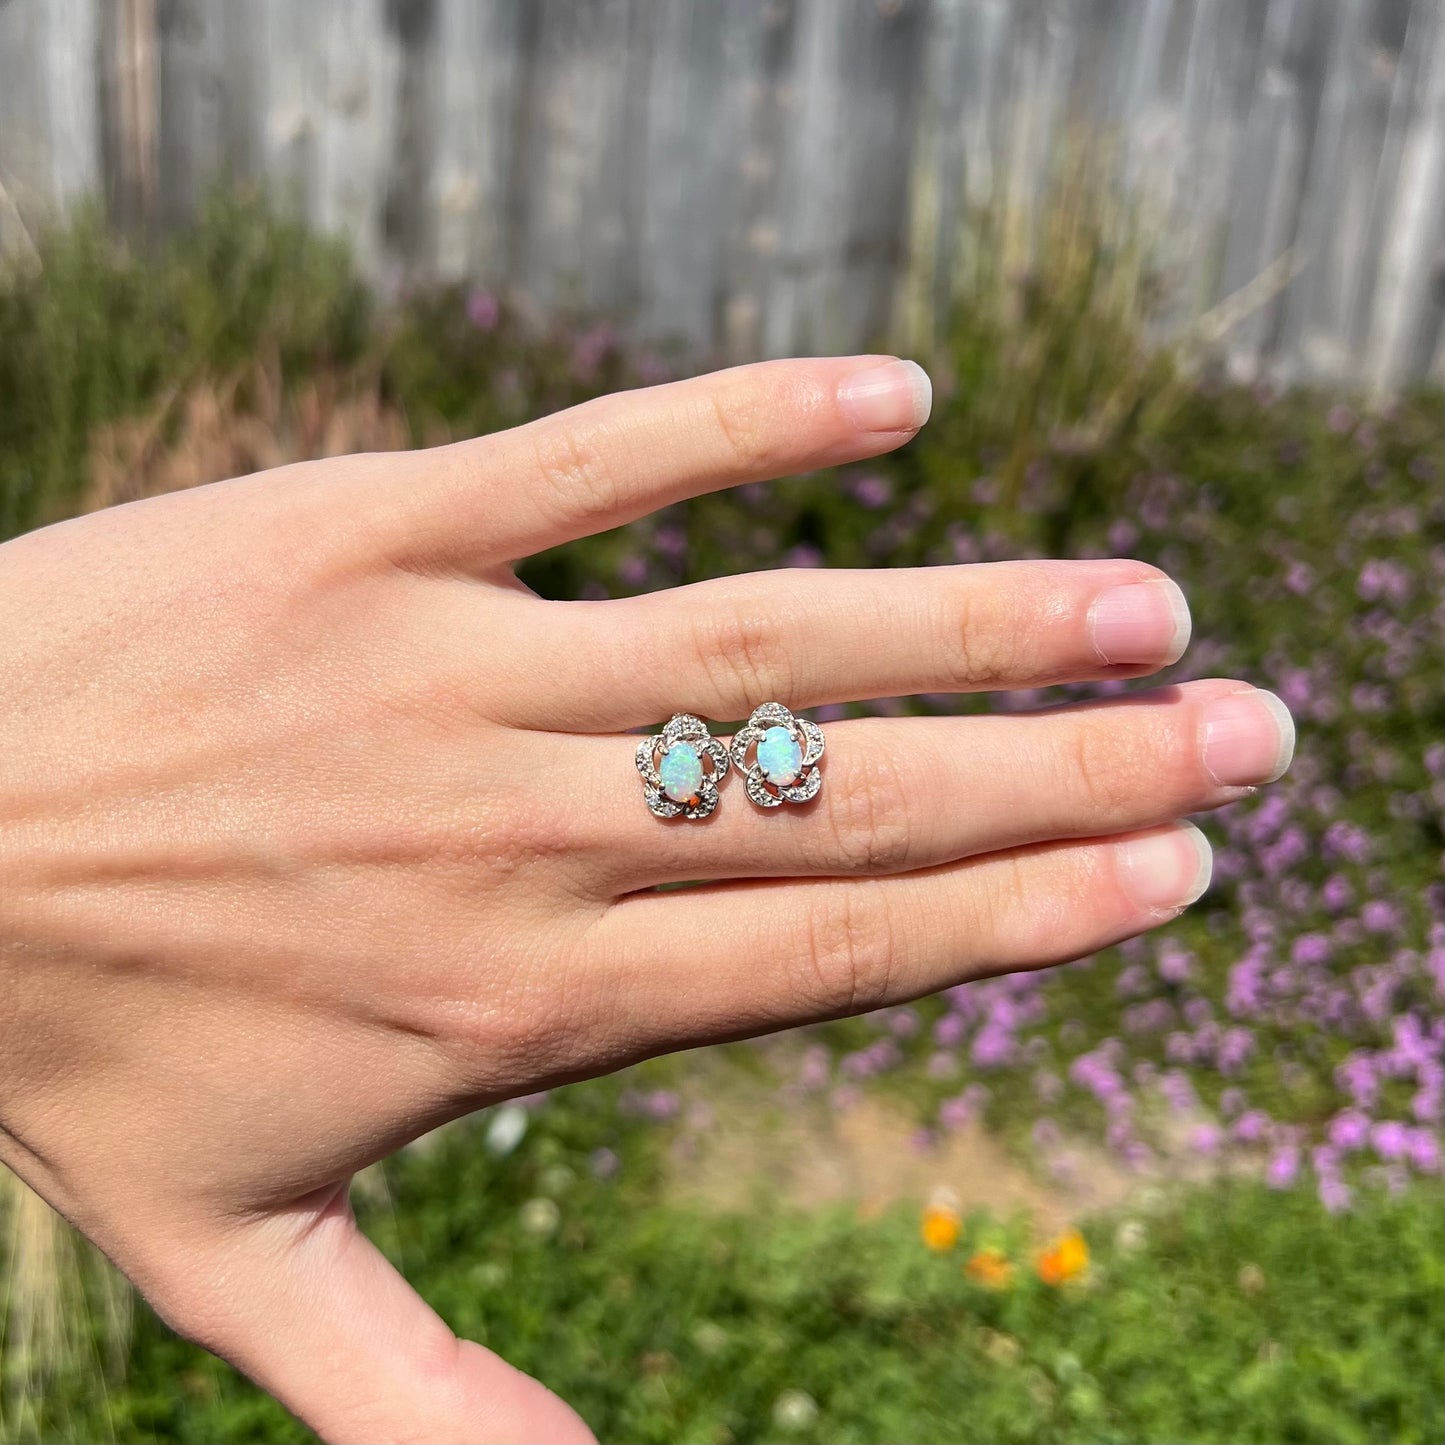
x: 316, y: 831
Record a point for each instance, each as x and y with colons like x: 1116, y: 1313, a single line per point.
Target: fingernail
x: 1140, y: 622
x: 896, y: 396
x: 1165, y: 872
x: 1248, y: 738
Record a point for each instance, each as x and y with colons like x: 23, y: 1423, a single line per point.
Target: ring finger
x: 902, y: 794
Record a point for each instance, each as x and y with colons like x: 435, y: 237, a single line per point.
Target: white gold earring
x: 681, y: 768
x: 785, y: 751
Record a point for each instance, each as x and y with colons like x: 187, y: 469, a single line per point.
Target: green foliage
x: 1234, y: 1315
x: 93, y: 331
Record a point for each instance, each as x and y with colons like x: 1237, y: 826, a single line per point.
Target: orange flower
x: 939, y: 1228
x: 1065, y: 1259
x: 991, y: 1268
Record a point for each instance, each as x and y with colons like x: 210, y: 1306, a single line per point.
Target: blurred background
x: 1177, y: 268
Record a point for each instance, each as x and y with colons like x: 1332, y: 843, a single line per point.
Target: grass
x: 1236, y: 1314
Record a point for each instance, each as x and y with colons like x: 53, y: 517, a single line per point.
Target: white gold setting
x: 686, y: 729
x: 768, y: 792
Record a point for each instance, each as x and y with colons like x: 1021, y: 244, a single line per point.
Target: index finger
x: 494, y: 499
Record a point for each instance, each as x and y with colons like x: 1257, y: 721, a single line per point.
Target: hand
x: 316, y: 831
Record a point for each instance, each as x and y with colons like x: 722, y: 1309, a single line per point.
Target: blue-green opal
x: 779, y: 756
x: 680, y: 772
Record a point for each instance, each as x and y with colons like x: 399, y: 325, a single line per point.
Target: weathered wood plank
x: 762, y: 176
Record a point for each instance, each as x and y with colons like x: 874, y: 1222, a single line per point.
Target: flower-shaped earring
x: 785, y: 749
x: 673, y: 763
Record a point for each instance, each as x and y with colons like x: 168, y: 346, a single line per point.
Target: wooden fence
x: 762, y: 176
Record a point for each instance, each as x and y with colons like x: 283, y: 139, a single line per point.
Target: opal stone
x: 680, y: 772
x: 779, y: 756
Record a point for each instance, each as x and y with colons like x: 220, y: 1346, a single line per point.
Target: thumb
x: 317, y: 1316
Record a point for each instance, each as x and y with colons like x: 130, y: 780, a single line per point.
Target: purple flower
x: 1349, y: 1130
x: 1178, y: 1091
x: 1391, y: 1139
x: 590, y: 349
x: 1235, y: 1047
x: 904, y: 1023
x: 993, y: 1046
x: 1283, y: 1167
x: 1382, y: 580
x: 1198, y: 1013
x: 1252, y: 1127
x: 1206, y: 1138
x: 1045, y: 1134
x: 483, y: 310
x: 1357, y: 1077
x: 1380, y: 916
x: 1123, y: 535
x: 1424, y: 1150
x: 1348, y: 841
x: 1299, y: 579
x: 1175, y: 962
x: 949, y: 1030
x: 1132, y: 981
x: 958, y: 1111
x: 815, y: 1068
x: 661, y: 1104
x: 873, y: 490
x: 1152, y: 1017
x: 1179, y: 1048
x: 1341, y: 419
x: 604, y: 1163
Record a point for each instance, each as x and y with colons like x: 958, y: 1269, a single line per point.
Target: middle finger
x: 804, y: 637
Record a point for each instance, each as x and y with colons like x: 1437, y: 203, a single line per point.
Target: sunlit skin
x: 318, y: 829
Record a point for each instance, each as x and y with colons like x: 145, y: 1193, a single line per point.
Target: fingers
x: 910, y: 793
x: 804, y: 638
x: 310, y: 1309
x: 483, y: 502
x: 736, y: 959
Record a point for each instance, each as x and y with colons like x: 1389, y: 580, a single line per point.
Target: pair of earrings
x: 776, y: 752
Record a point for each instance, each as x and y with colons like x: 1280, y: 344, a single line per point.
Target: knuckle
x: 978, y: 650
x: 744, y: 428
x: 870, y: 818
x: 742, y: 655
x: 1031, y: 911
x: 524, y: 1028
x: 1106, y: 763
x: 573, y: 471
x: 845, y: 958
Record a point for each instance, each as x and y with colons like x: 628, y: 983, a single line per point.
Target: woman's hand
x: 316, y: 830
